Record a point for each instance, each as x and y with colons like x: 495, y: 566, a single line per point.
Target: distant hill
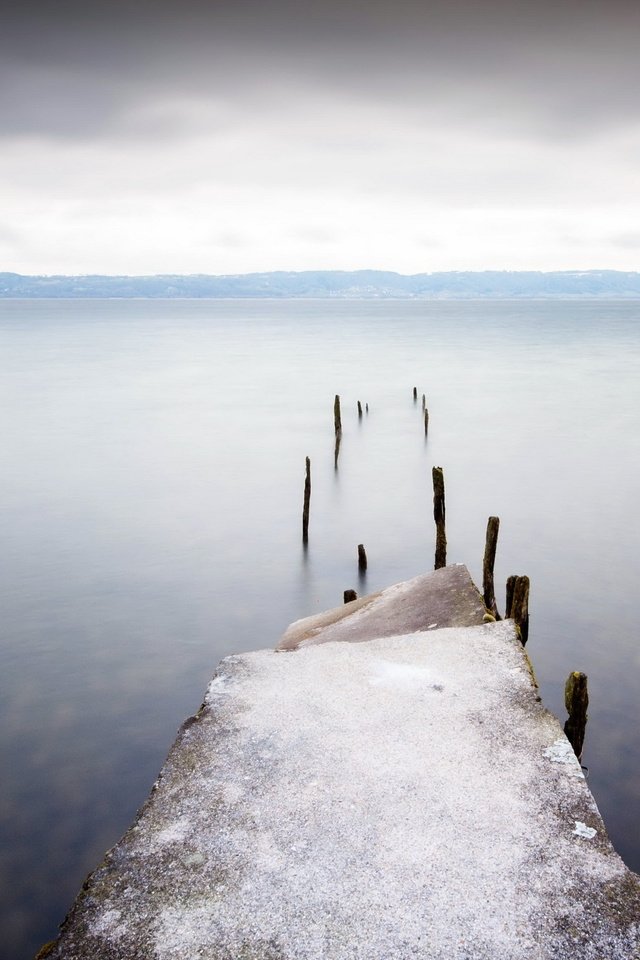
x: 347, y: 285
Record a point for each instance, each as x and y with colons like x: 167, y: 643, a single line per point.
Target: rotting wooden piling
x: 415, y: 394
x: 439, y: 517
x: 350, y: 595
x: 426, y: 422
x: 520, y: 607
x: 511, y: 583
x: 424, y: 401
x: 337, y: 423
x: 359, y: 410
x: 488, y: 563
x: 362, y: 558
x: 307, y: 502
x: 576, y: 700
x: 337, y: 419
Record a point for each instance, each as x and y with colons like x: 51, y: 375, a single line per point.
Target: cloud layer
x: 224, y: 138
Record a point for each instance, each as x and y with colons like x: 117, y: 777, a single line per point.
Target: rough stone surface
x: 404, y: 798
x: 443, y: 598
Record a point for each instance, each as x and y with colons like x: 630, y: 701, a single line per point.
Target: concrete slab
x: 406, y: 797
x: 441, y: 598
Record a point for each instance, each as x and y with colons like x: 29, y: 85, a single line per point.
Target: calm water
x: 151, y: 476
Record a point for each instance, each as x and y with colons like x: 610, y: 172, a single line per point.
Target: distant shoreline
x: 585, y: 298
x: 326, y: 285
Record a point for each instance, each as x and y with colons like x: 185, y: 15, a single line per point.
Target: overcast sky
x: 227, y: 137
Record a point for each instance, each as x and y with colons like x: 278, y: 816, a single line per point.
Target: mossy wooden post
x: 350, y: 595
x: 415, y: 394
x: 426, y: 422
x: 307, y: 502
x: 439, y: 517
x: 337, y: 423
x: 362, y: 558
x: 488, y: 589
x: 511, y: 584
x: 520, y: 607
x: 359, y: 410
x: 576, y: 700
x: 337, y: 419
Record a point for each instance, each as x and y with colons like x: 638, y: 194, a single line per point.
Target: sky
x: 230, y: 137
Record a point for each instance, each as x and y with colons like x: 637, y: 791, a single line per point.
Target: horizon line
x: 339, y: 270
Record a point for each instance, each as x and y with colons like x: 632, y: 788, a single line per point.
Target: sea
x: 152, y: 462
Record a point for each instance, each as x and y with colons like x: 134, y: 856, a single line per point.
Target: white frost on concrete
x: 561, y: 751
x: 582, y: 830
x: 174, y: 832
x: 110, y: 925
x: 399, y: 676
x: 219, y: 683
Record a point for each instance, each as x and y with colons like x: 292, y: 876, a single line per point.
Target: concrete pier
x: 443, y: 598
x: 403, y: 795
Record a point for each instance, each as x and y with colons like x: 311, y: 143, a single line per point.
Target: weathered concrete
x: 406, y: 797
x: 443, y: 598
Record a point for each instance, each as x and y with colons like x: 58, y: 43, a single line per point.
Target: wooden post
x: 362, y: 558
x: 307, y: 502
x: 366, y: 407
x: 424, y: 402
x: 488, y: 589
x: 359, y: 410
x: 337, y: 423
x: 337, y: 419
x: 415, y: 394
x: 350, y: 595
x: 511, y: 583
x: 426, y: 421
x: 439, y: 517
x: 576, y: 700
x: 520, y: 607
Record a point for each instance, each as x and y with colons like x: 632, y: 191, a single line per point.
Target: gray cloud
x: 81, y: 69
x: 253, y: 135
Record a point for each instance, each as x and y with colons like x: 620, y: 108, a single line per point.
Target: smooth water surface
x: 151, y: 478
